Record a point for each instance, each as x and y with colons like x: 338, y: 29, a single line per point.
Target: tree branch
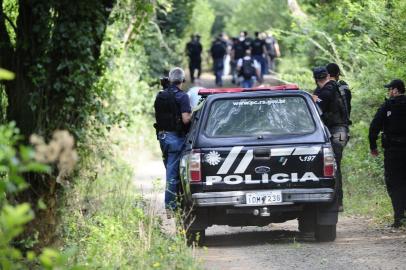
x: 10, y: 22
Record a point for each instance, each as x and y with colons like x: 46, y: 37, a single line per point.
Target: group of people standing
x: 333, y: 96
x: 247, y: 59
x: 334, y: 99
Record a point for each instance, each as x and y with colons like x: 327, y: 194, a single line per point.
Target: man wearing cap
x: 335, y: 117
x: 173, y: 115
x: 390, y: 118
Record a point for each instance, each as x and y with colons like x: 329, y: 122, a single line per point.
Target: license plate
x: 264, y: 198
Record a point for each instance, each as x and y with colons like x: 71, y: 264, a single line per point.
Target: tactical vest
x: 167, y: 112
x: 337, y: 114
x: 394, y: 127
x: 344, y: 90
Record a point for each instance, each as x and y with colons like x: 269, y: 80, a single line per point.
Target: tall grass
x: 111, y: 226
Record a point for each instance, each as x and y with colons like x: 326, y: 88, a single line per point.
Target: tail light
x: 329, y: 162
x: 195, y: 174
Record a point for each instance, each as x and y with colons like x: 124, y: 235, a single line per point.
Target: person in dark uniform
x: 334, y: 71
x: 218, y: 51
x: 173, y: 115
x: 258, y: 51
x: 335, y: 117
x: 194, y: 51
x: 237, y: 52
x: 390, y: 118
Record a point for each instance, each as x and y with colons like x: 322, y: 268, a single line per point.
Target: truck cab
x: 258, y: 156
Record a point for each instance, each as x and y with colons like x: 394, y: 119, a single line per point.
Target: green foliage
x: 258, y: 15
x: 203, y: 19
x: 223, y: 11
x: 112, y: 225
x: 173, y: 16
x: 10, y: 8
x: 363, y: 38
x: 14, y: 162
x: 6, y: 75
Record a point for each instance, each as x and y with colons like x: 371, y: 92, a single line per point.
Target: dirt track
x: 359, y: 244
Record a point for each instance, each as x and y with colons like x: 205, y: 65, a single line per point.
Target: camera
x: 165, y: 82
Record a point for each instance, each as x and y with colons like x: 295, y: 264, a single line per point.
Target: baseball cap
x: 396, y: 83
x: 320, y: 73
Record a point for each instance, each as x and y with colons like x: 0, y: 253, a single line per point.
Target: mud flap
x: 200, y: 219
x: 327, y: 214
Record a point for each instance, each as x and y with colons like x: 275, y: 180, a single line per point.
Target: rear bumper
x: 237, y: 198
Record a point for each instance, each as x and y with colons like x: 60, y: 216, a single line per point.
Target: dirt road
x: 359, y: 244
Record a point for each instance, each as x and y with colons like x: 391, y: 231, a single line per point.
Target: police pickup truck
x: 255, y: 157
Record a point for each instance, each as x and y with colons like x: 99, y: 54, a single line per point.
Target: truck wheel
x: 325, y: 233
x: 195, y: 237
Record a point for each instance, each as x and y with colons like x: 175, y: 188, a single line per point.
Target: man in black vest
x: 334, y: 71
x: 335, y: 117
x: 173, y: 115
x: 390, y: 118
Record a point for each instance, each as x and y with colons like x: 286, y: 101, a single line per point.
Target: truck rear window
x: 259, y: 116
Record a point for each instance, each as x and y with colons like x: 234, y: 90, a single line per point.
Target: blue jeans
x: 261, y: 60
x: 171, y: 146
x: 247, y: 83
x: 218, y: 66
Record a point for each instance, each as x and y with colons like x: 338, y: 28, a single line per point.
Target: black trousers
x: 193, y: 65
x: 395, y: 178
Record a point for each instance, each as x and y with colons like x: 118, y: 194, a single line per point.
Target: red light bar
x: 209, y: 91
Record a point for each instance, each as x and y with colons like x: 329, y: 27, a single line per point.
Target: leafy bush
x: 112, y: 225
x: 15, y: 161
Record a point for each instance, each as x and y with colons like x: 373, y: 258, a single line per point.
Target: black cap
x: 396, y: 83
x: 320, y: 73
x: 333, y: 69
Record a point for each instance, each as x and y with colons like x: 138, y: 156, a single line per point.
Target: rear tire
x: 325, y: 233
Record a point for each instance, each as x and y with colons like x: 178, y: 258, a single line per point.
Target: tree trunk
x: 55, y: 62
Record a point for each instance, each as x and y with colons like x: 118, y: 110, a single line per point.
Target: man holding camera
x: 173, y: 115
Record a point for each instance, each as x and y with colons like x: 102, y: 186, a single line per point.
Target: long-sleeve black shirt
x: 389, y: 119
x: 377, y: 125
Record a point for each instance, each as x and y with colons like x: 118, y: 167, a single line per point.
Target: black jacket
x: 332, y: 105
x: 391, y: 119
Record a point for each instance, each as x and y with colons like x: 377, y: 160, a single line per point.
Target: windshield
x: 259, y: 116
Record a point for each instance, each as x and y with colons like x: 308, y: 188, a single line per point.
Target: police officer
x: 390, y: 118
x: 334, y: 71
x: 218, y: 52
x: 173, y: 115
x: 335, y: 117
x: 194, y: 51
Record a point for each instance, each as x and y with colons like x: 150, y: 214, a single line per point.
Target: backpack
x: 247, y: 69
x: 167, y: 112
x: 345, y: 94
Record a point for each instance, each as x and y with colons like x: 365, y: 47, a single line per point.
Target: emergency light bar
x: 210, y: 91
